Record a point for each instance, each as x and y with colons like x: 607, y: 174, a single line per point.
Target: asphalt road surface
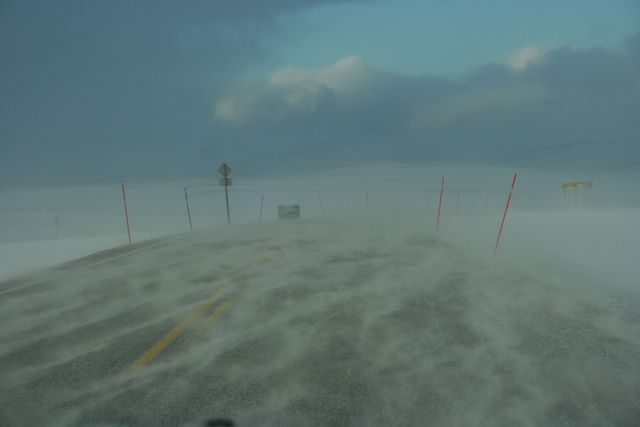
x: 335, y: 323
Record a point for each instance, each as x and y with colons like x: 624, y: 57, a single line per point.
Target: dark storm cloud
x: 104, y: 88
x: 568, y: 105
x: 153, y: 89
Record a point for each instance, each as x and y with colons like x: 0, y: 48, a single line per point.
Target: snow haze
x: 466, y: 175
x: 359, y: 313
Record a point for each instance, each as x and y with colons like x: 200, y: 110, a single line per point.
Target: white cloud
x: 295, y: 90
x: 341, y: 76
x: 562, y: 95
x: 235, y: 108
x: 502, y: 101
x: 522, y: 58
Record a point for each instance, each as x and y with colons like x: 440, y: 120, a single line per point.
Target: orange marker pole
x: 186, y: 199
x: 439, y: 204
x: 126, y: 212
x: 504, y: 215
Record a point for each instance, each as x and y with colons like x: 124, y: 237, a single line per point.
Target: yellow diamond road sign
x: 577, y: 185
x: 224, y: 170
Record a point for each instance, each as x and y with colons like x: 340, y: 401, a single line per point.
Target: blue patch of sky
x: 445, y: 37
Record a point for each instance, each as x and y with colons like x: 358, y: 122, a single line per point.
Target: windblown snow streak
x: 367, y: 322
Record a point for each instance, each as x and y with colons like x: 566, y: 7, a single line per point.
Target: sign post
x: 576, y: 193
x: 225, y: 181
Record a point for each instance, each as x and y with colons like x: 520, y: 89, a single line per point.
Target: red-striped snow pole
x: 126, y: 212
x: 504, y: 215
x: 439, y: 204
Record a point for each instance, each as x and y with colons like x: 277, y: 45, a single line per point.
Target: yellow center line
x: 174, y: 333
x: 177, y: 330
x: 216, y: 315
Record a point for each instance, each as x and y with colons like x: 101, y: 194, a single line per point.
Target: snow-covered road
x: 337, y: 322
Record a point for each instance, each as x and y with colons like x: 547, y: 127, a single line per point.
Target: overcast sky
x: 97, y: 90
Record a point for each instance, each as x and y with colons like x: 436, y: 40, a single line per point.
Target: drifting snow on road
x: 354, y: 322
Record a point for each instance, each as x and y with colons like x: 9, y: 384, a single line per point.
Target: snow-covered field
x: 360, y: 314
x: 91, y: 218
